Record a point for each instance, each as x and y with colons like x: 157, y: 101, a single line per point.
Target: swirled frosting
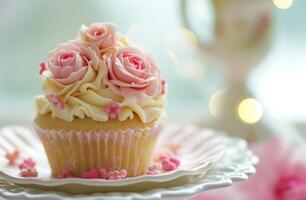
x: 81, y: 80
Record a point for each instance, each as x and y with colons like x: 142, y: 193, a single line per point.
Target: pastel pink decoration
x: 56, y: 101
x: 113, y: 109
x: 116, y: 174
x: 66, y: 174
x: 42, y: 68
x: 176, y: 161
x: 28, y: 172
x: 163, y: 156
x: 27, y: 164
x: 132, y: 73
x: 92, y: 174
x: 292, y: 186
x: 168, y: 165
x: 105, y: 174
x: 168, y: 162
x: 12, y: 157
x: 164, y: 87
x: 280, y: 175
x: 100, y: 36
x: 153, y: 170
x: 70, y: 61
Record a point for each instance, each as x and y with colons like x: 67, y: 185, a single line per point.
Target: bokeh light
x: 171, y: 55
x: 283, y: 4
x: 190, y: 35
x: 250, y: 110
x: 215, y: 103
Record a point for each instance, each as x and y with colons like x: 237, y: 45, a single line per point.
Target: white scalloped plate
x: 237, y: 165
x: 199, y: 149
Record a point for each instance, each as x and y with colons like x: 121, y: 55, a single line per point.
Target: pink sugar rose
x: 100, y: 36
x: 69, y: 62
x: 132, y: 73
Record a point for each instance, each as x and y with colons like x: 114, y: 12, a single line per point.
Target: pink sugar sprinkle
x: 176, y: 161
x: 123, y: 173
x: 116, y: 174
x: 27, y: 164
x: 168, y: 165
x: 12, y: 157
x: 28, y: 172
x: 152, y: 172
x: 163, y: 156
x: 42, y: 68
x: 92, y: 174
x: 65, y: 174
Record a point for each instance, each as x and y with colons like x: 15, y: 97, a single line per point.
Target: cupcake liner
x: 78, y: 152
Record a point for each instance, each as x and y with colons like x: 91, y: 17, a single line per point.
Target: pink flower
x: 100, y: 36
x: 170, y: 164
x: 70, y: 61
x: 112, y: 110
x: 279, y: 176
x: 132, y: 73
x: 291, y: 185
x: 92, y: 174
x: 28, y: 172
x: 116, y: 174
x: 12, y: 157
x: 27, y: 164
x: 56, y: 101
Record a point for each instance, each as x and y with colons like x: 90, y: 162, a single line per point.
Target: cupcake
x: 102, y: 105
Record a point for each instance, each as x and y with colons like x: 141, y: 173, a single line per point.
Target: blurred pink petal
x: 281, y: 175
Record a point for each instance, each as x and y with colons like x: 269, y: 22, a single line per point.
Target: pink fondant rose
x: 132, y: 73
x: 101, y: 36
x: 70, y: 61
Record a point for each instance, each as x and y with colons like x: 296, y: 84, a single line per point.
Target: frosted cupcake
x: 103, y: 104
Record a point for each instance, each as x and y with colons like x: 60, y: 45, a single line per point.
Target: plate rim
x: 167, y: 176
x: 249, y: 162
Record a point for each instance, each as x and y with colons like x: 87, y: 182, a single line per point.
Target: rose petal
x: 74, y: 76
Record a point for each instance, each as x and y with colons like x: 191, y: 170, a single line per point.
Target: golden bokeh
x: 283, y: 4
x: 250, y: 110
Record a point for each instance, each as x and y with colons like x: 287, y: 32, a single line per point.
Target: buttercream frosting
x: 82, y: 80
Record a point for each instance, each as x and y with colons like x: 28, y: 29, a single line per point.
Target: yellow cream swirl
x: 89, y: 96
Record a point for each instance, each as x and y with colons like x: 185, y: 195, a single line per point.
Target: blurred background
x: 242, y: 72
